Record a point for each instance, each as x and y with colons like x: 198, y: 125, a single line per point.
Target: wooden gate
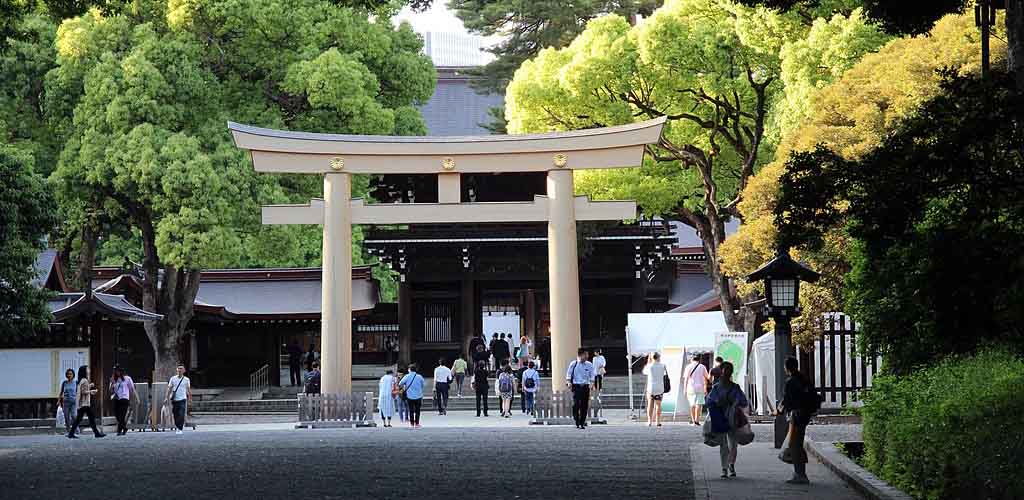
x: 335, y: 410
x: 556, y: 408
x: 841, y: 373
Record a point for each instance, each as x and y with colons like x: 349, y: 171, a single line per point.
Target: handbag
x: 667, y: 382
x: 60, y: 417
x: 710, y: 438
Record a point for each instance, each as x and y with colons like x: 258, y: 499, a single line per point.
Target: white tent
x: 763, y: 356
x: 647, y: 333
x: 651, y: 332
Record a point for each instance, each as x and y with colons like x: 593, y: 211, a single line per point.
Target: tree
x: 850, y: 116
x: 26, y: 214
x: 711, y: 67
x: 150, y: 91
x: 936, y: 213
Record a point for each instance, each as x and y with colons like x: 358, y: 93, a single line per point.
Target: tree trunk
x: 1015, y: 40
x: 86, y: 257
x: 172, y: 294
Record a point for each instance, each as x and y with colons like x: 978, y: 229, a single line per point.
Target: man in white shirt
x: 599, y: 370
x: 442, y: 379
x: 695, y: 380
x: 179, y: 391
x: 579, y: 378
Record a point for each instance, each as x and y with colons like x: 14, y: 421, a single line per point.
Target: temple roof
x: 69, y: 305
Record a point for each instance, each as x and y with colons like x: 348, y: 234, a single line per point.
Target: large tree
x: 936, y: 215
x: 850, y: 116
x: 142, y: 97
x: 27, y: 213
x: 715, y: 69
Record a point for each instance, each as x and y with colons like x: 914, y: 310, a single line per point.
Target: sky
x: 438, y: 19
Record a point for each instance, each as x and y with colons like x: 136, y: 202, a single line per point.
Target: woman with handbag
x: 401, y: 406
x: 86, y: 390
x: 412, y: 390
x: 657, y: 386
x: 387, y: 389
x: 725, y: 401
x: 122, y: 387
x: 796, y: 393
x: 68, y: 398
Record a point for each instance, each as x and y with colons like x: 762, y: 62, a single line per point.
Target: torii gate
x: 336, y: 157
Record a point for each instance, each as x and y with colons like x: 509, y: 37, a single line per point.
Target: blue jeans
x: 528, y: 397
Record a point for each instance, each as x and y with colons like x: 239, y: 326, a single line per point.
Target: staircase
x: 283, y: 400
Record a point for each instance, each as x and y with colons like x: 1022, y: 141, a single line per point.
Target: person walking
x: 600, y: 365
x: 579, y: 378
x: 480, y: 386
x: 459, y: 368
x: 386, y: 390
x: 295, y: 363
x: 505, y: 389
x: 412, y: 387
x: 122, y: 388
x: 442, y: 384
x: 795, y: 405
x: 531, y: 384
x: 695, y: 380
x: 312, y: 385
x: 477, y: 340
x: 511, y: 347
x: 518, y: 376
x: 68, y: 398
x: 724, y: 400
x: 501, y: 354
x: 715, y: 373
x: 85, y: 391
x: 656, y: 374
x: 401, y: 405
x: 524, y: 349
x: 179, y: 391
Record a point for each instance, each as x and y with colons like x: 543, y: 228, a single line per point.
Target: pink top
x: 123, y: 387
x: 697, y: 376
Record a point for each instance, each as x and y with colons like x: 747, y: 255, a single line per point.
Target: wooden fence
x: 335, y: 410
x: 841, y: 373
x: 556, y: 408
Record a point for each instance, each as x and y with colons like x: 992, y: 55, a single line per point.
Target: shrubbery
x: 952, y: 430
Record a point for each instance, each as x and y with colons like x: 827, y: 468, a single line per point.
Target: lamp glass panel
x: 783, y: 292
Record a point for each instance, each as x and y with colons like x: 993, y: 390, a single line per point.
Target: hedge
x: 951, y: 430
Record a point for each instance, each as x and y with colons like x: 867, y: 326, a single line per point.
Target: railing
x: 259, y: 382
x: 556, y: 408
x: 335, y: 410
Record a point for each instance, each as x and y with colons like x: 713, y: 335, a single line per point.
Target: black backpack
x: 313, y: 383
x: 529, y: 383
x: 812, y: 401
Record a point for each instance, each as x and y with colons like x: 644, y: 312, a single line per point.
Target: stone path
x: 457, y: 456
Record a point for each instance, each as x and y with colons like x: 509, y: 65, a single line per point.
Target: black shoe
x: 732, y: 471
x: 101, y: 435
x: 72, y: 436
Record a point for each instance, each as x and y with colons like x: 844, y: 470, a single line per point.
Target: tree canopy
x: 140, y: 99
x: 935, y: 213
x: 718, y: 71
x: 851, y: 117
x: 27, y: 213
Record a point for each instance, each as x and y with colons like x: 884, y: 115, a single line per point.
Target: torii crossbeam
x: 336, y: 157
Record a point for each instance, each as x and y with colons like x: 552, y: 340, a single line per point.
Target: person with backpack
x: 799, y: 403
x: 505, y: 388
x: 312, y: 385
x: 657, y: 375
x: 480, y: 386
x: 531, y: 383
x: 724, y: 401
x: 412, y: 390
x: 520, y: 389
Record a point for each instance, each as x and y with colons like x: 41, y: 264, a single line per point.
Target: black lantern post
x: 782, y: 276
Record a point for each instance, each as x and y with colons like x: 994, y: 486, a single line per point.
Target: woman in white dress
x: 386, y: 397
x: 655, y: 372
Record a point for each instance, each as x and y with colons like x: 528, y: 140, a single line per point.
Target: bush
x: 952, y: 430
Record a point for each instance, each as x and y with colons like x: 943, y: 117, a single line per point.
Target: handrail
x: 259, y: 382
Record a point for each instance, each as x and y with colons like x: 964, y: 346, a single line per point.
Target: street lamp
x: 782, y: 276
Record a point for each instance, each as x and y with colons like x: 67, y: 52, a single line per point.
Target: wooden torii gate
x: 337, y: 157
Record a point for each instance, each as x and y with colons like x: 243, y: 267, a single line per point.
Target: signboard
x: 732, y: 347
x: 673, y: 359
x: 37, y: 373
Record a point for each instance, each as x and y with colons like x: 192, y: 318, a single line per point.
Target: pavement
x: 458, y: 455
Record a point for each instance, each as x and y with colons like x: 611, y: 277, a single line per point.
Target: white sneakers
x: 178, y: 432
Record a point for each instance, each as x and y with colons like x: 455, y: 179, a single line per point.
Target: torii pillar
x: 336, y: 157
